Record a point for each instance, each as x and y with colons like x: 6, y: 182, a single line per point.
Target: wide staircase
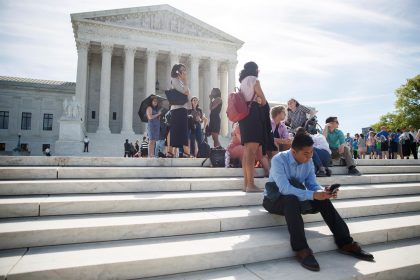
x: 116, y: 218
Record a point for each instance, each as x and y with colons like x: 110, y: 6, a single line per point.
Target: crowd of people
x: 285, y: 141
x: 385, y: 144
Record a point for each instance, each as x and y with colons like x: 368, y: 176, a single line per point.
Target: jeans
x: 159, y: 147
x: 195, y: 135
x: 289, y: 207
x: 321, y: 158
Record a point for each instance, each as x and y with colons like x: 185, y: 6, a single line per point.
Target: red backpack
x: 237, y: 108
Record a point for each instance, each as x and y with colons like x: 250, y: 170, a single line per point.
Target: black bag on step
x: 203, y: 150
x: 217, y: 157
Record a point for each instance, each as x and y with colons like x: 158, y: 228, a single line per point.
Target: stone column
x: 104, y: 101
x: 224, y: 129
x: 127, y: 121
x: 231, y: 83
x: 173, y: 58
x: 213, y: 74
x: 194, y: 81
x: 151, y: 72
x: 81, y: 79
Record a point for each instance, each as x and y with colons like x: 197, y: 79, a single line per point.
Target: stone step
x: 22, y: 173
x: 163, y: 256
x: 393, y: 260
x: 164, y: 162
x: 57, y: 230
x: 69, y: 186
x: 42, y: 205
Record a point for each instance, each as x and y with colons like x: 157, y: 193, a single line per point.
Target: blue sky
x: 344, y: 58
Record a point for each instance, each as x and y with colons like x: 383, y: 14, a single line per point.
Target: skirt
x: 179, y: 128
x: 252, y: 126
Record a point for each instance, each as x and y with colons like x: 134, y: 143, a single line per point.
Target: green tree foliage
x: 407, y: 107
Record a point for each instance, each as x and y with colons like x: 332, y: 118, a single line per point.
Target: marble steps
x: 39, y: 173
x: 67, y: 229
x: 69, y: 186
x: 177, y: 254
x: 70, y: 204
x: 393, y: 260
x: 146, y: 162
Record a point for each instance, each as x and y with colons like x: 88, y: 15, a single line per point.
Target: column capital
x: 82, y: 45
x: 232, y: 64
x: 130, y: 50
x: 107, y: 47
x: 152, y: 52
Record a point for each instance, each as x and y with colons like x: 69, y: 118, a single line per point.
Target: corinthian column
x: 194, y: 82
x: 104, y: 99
x: 151, y: 72
x: 81, y: 80
x: 127, y: 124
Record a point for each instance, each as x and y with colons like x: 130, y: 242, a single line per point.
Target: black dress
x: 214, y: 125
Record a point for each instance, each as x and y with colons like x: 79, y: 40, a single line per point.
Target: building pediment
x: 159, y: 18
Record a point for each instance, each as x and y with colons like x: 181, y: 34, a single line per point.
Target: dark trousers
x: 413, y: 148
x: 195, y: 135
x: 321, y: 158
x: 289, y: 207
x: 86, y: 149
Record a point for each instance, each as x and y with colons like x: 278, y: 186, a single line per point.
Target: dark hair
x: 330, y: 119
x: 153, y: 97
x: 361, y: 135
x: 250, y: 69
x: 300, y: 130
x: 356, y: 135
x: 297, y: 104
x: 302, y: 140
x: 198, y: 105
x: 176, y: 70
x: 215, y: 92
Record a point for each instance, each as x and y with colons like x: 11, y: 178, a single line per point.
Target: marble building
x: 124, y: 55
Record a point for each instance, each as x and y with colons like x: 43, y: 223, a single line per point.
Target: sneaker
x: 321, y: 173
x: 328, y: 171
x: 353, y: 171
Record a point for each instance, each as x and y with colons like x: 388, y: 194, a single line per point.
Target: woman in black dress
x: 215, y: 108
x: 254, y: 128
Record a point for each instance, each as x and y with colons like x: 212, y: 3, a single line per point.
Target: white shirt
x: 321, y: 143
x: 248, y: 87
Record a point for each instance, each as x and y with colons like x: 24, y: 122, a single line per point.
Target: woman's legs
x: 152, y: 148
x: 248, y: 166
x: 215, y: 137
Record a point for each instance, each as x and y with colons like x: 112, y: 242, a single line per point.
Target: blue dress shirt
x: 284, y: 167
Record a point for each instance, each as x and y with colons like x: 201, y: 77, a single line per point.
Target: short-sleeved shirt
x: 248, y: 87
x: 281, y: 130
x: 335, y: 138
x: 384, y: 134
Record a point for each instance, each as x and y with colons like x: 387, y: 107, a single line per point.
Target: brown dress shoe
x: 354, y: 249
x: 307, y: 259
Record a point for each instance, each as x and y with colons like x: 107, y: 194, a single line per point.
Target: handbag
x: 273, y: 194
x: 238, y: 108
x: 175, y: 97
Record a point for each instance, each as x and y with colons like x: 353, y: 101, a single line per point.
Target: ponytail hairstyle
x: 176, y: 70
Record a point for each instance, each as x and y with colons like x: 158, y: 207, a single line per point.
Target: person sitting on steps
x: 288, y: 170
x: 335, y: 139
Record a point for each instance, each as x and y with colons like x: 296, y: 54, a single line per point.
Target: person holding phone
x: 295, y: 165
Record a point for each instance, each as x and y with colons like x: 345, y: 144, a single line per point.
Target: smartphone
x: 334, y: 188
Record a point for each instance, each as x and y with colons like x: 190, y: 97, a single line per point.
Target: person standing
x: 405, y: 143
x: 153, y: 125
x: 86, y: 144
x: 179, y: 115
x: 252, y: 127
x: 127, y: 148
x: 413, y: 141
x: 361, y: 146
x: 197, y: 118
x: 215, y: 108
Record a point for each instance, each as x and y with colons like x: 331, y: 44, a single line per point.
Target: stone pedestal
x: 70, y: 138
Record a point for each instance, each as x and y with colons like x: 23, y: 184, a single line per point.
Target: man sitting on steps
x: 295, y: 188
x: 338, y: 147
